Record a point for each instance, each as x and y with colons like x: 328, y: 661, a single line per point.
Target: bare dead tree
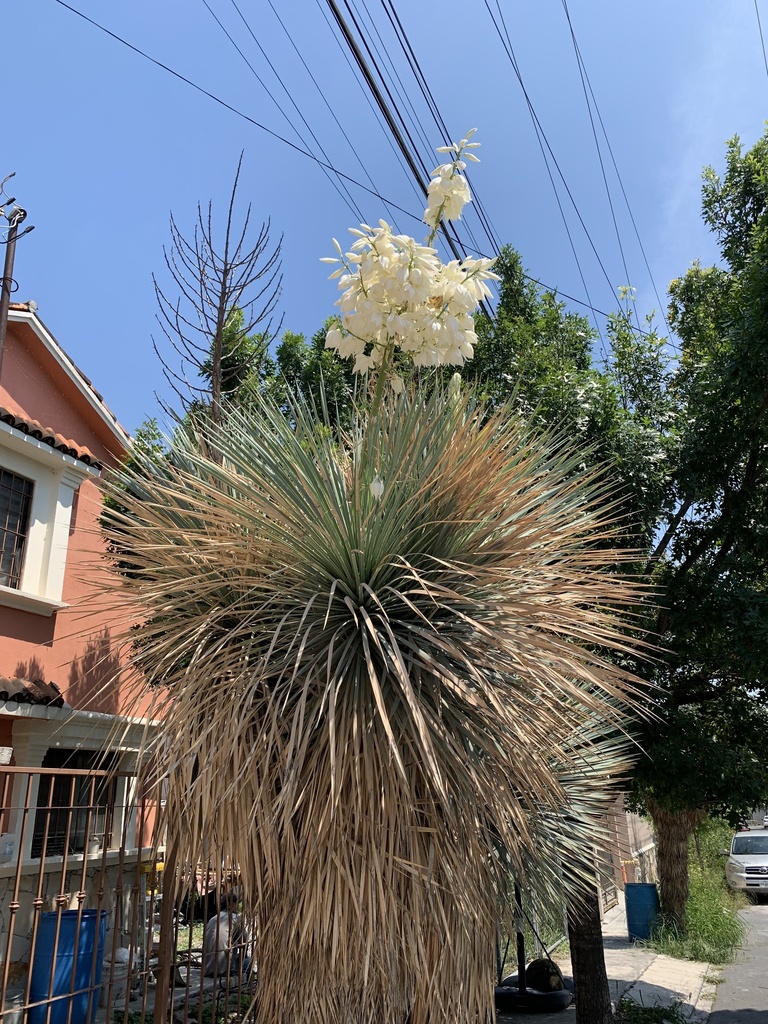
x: 224, y: 296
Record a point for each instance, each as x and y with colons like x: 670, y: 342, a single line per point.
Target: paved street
x: 743, y: 997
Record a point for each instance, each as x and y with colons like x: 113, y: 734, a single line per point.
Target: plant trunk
x: 673, y: 831
x: 163, y: 992
x: 593, y: 997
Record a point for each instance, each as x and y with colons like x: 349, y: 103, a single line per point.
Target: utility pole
x: 14, y: 216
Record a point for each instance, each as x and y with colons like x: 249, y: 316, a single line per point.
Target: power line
x: 233, y: 110
x: 402, y: 126
x: 580, y: 66
x: 306, y: 153
x: 339, y: 185
x: 355, y: 71
x: 542, y: 139
x: 392, y: 116
x: 423, y: 85
x: 651, y: 278
x: 507, y: 45
x: 396, y: 79
x: 322, y: 95
x: 407, y: 148
x: 762, y: 41
x: 398, y: 87
x: 373, y: 73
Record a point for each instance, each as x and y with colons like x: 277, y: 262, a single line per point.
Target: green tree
x: 532, y: 346
x: 244, y: 364
x: 709, y: 749
x: 309, y: 370
x: 538, y: 355
x: 687, y: 435
x: 619, y: 412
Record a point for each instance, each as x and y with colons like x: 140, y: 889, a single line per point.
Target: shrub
x: 715, y: 930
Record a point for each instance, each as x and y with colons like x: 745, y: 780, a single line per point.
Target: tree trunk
x: 593, y: 997
x: 673, y: 830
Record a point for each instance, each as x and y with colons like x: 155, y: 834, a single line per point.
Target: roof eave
x: 105, y: 414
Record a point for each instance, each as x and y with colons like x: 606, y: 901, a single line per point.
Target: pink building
x: 61, y: 683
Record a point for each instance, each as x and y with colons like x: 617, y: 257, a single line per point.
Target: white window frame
x: 37, y: 728
x: 55, y: 478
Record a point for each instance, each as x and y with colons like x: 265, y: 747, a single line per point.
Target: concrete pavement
x: 648, y: 978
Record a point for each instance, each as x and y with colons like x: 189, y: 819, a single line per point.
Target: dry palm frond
x: 363, y: 700
x: 571, y: 842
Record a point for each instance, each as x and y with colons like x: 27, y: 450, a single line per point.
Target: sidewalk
x: 648, y: 978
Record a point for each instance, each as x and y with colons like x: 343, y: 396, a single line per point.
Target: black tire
x: 509, y: 999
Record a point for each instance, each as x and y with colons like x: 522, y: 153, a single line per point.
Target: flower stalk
x: 397, y: 295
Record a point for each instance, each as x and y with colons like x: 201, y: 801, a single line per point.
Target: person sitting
x: 224, y: 941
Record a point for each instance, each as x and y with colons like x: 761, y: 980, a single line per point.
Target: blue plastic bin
x: 74, y: 947
x: 642, y: 902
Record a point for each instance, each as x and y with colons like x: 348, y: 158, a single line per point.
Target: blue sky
x: 105, y: 145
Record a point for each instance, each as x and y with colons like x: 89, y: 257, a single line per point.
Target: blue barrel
x: 642, y: 901
x: 75, y: 948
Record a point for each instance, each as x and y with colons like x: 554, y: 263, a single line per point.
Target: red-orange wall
x: 33, y: 385
x: 76, y: 648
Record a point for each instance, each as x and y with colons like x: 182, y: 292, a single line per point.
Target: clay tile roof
x: 49, y: 436
x: 29, y: 691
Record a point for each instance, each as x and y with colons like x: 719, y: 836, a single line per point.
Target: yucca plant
x: 379, y: 665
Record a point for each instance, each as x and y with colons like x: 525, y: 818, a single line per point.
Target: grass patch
x: 715, y: 930
x: 190, y: 937
x: 229, y: 1013
x: 210, y: 1013
x: 629, y: 1012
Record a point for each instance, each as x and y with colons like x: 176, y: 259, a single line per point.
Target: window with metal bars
x: 73, y: 809
x: 15, y: 502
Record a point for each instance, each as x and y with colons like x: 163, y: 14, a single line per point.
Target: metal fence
x: 99, y: 926
x: 94, y: 925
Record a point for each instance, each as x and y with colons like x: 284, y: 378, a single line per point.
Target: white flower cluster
x: 448, y: 191
x: 398, y: 294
